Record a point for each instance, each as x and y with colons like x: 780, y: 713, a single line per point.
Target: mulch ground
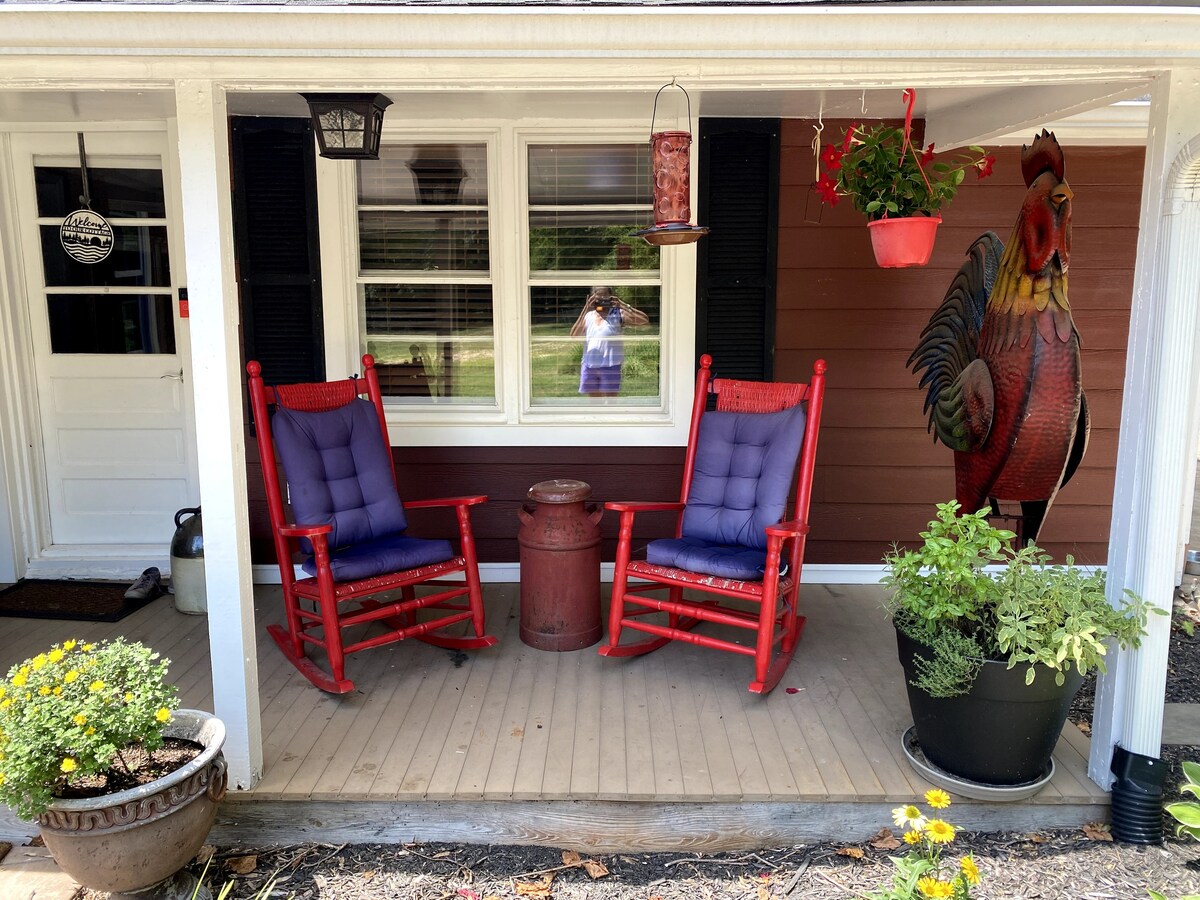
x: 1056, y: 865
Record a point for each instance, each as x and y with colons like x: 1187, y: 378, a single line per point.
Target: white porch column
x: 216, y: 384
x: 1158, y: 437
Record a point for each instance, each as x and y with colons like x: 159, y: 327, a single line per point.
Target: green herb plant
x: 73, y: 712
x: 1026, y: 612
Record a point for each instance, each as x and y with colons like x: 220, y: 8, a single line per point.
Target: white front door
x: 111, y: 358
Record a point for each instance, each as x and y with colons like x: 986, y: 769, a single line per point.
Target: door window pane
x: 115, y: 193
x: 139, y: 258
x: 111, y: 323
x: 432, y: 340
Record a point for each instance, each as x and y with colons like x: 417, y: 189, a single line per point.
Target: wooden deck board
x: 673, y: 729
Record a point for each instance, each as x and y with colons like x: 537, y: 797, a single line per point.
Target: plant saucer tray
x: 975, y: 790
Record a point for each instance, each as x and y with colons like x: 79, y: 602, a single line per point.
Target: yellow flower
x: 96, y: 685
x: 55, y: 655
x: 912, y: 837
x: 44, y: 690
x: 68, y: 765
x: 90, y: 730
x: 2, y: 692
x: 163, y: 714
x: 80, y: 719
x: 1, y: 778
x: 128, y: 697
x: 88, y: 648
x: 69, y: 645
x: 939, y: 832
x: 6, y: 703
x: 970, y: 870
x: 70, y: 676
x: 931, y: 887
x: 39, y: 662
x: 937, y: 798
x: 908, y: 815
x: 20, y: 678
x: 57, y: 692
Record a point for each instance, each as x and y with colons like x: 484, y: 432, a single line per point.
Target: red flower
x: 927, y: 156
x: 983, y: 168
x: 831, y: 156
x: 827, y: 188
x: 848, y: 140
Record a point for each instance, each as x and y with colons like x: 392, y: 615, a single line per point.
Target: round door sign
x: 86, y: 236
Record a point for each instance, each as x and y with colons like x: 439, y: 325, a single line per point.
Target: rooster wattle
x: 1001, y: 356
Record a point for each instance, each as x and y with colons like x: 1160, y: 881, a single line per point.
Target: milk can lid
x: 560, y: 490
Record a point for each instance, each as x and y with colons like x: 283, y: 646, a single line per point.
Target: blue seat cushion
x: 393, y: 553
x: 744, y: 467
x: 339, y: 473
x: 695, y: 555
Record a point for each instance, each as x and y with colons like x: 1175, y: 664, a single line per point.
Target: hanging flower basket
x: 904, y: 241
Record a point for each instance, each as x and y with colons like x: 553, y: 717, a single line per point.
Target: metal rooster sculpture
x: 1001, y: 356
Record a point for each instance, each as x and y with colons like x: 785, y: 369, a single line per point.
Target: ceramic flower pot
x: 1001, y: 732
x: 134, y: 842
x: 902, y: 242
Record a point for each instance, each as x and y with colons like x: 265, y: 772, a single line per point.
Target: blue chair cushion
x: 695, y: 555
x: 744, y: 467
x: 339, y: 473
x: 393, y: 553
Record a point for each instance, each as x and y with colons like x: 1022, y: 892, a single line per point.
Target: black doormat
x: 84, y: 601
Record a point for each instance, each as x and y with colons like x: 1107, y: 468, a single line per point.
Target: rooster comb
x: 1043, y: 155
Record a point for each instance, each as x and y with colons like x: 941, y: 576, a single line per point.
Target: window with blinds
x: 425, y: 284
x: 594, y: 290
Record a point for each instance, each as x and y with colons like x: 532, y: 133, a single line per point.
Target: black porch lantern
x: 348, y: 126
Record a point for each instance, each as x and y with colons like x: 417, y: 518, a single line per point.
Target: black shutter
x: 278, y: 251
x: 739, y: 197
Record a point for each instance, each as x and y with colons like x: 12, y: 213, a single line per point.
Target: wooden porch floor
x: 520, y: 745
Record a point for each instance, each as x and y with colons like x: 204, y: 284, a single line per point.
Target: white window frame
x: 512, y: 420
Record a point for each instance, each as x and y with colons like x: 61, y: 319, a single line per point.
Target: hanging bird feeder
x: 670, y: 161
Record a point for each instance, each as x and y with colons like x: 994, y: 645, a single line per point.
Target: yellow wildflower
x: 128, y: 697
x: 19, y: 679
x: 970, y: 870
x: 55, y: 655
x: 44, y: 690
x: 68, y: 765
x: 931, y: 887
x: 908, y: 815
x: 88, y: 648
x: 912, y: 837
x: 69, y: 645
x: 939, y: 832
x: 70, y: 676
x: 937, y: 798
x: 96, y: 685
x: 80, y: 719
x: 90, y: 730
x: 2, y: 692
x: 1, y: 778
x: 39, y: 662
x: 6, y: 703
x: 57, y: 692
x: 163, y: 714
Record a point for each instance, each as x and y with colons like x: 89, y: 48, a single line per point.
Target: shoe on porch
x: 147, y: 587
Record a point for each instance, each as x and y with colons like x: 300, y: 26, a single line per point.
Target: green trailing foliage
x: 1029, y: 612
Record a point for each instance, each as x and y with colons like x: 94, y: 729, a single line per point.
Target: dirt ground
x: 1062, y: 865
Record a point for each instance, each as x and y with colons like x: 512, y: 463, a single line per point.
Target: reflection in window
x: 138, y: 259
x: 594, y: 291
x: 111, y: 323
x: 115, y: 193
x: 422, y: 209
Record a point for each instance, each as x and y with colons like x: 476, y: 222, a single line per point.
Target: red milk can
x: 560, y: 566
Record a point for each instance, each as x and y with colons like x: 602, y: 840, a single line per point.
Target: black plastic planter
x: 1002, y: 732
x: 1137, y: 816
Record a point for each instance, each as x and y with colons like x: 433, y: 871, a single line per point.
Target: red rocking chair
x: 729, y: 542
x: 350, y: 524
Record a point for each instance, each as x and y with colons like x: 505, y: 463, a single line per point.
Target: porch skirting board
x: 248, y: 820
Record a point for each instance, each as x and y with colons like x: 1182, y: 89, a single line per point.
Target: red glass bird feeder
x: 670, y: 160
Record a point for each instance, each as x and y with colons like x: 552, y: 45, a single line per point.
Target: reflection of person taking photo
x: 601, y: 322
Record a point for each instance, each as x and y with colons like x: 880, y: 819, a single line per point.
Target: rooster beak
x: 1061, y: 194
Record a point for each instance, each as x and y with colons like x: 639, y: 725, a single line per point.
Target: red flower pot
x: 903, y: 242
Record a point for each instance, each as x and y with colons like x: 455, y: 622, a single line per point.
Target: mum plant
x: 926, y: 871
x: 884, y: 175
x: 75, y: 712
x: 1027, y: 612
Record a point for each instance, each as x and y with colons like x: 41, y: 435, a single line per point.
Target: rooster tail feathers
x: 1042, y: 155
x: 950, y: 341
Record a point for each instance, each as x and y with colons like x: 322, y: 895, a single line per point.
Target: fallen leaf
x: 1095, y: 831
x: 885, y: 840
x: 791, y: 690
x: 540, y: 889
x: 468, y: 893
x: 595, y: 868
x: 1085, y: 727
x: 571, y: 858
x: 1035, y: 838
x: 242, y: 865
x: 205, y: 854
x: 852, y: 852
x: 367, y: 875
x: 764, y: 892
